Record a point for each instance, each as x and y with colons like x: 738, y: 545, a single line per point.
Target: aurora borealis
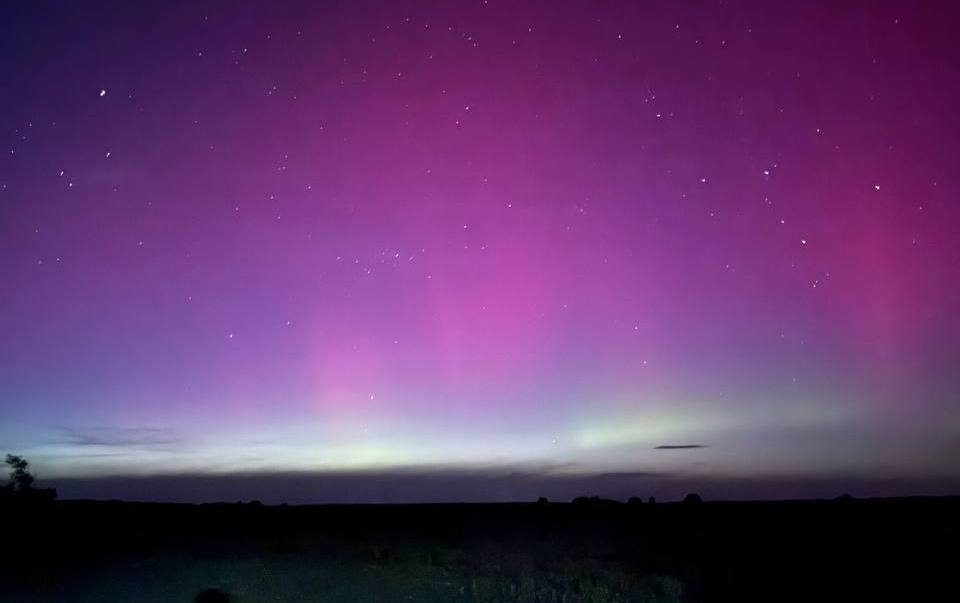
x: 703, y: 241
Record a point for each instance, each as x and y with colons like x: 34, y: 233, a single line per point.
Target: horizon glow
x: 370, y: 236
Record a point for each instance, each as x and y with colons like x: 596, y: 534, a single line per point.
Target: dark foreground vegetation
x: 593, y: 550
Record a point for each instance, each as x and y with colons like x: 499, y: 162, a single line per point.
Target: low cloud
x: 120, y: 437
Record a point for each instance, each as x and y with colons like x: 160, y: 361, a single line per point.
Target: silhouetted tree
x: 21, y: 482
x: 692, y: 499
x: 542, y: 500
x: 20, y: 477
x: 634, y: 501
x: 652, y: 500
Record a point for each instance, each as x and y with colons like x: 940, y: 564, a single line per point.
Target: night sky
x: 480, y: 250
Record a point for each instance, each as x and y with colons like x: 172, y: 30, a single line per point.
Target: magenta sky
x: 483, y: 236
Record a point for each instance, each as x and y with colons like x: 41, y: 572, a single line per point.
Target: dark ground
x: 851, y: 550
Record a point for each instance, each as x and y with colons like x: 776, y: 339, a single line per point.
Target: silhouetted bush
x: 542, y: 500
x: 692, y: 499
x: 634, y: 501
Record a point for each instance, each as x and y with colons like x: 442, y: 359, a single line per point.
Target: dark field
x: 856, y: 550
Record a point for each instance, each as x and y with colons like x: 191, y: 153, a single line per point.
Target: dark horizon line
x: 589, y: 500
x: 482, y: 487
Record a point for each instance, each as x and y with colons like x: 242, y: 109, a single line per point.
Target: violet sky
x: 541, y: 238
